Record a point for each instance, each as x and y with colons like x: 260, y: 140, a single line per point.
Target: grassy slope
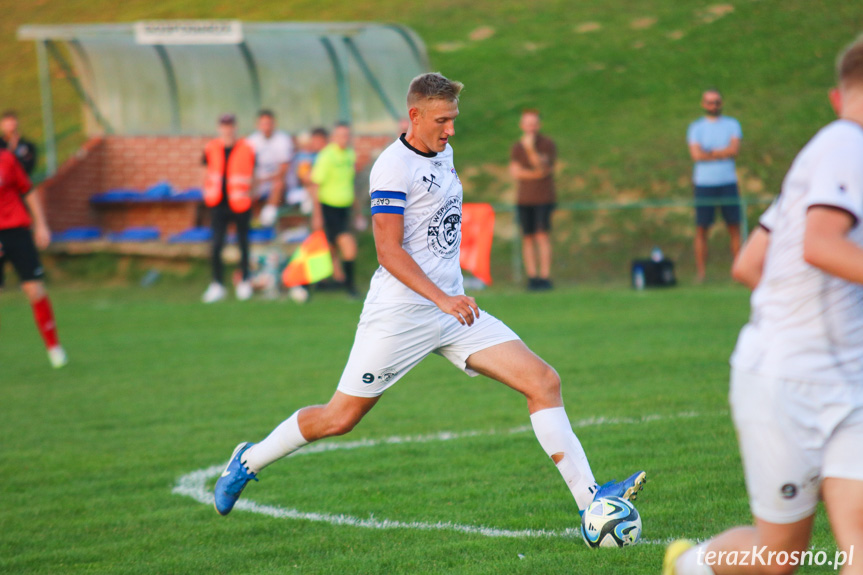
x: 617, y: 99
x: 160, y: 386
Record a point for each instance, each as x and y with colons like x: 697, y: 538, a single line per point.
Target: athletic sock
x: 689, y: 564
x: 283, y: 440
x: 555, y: 435
x: 349, y: 274
x: 44, y: 316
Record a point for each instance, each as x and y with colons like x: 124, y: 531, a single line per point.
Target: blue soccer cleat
x: 627, y: 489
x: 233, y: 480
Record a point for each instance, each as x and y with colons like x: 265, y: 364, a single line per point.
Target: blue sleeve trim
x: 389, y: 195
x: 387, y: 210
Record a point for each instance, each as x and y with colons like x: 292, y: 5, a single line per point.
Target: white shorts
x: 793, y: 434
x: 392, y: 339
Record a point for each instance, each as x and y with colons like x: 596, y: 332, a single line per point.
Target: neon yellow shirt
x: 334, y: 172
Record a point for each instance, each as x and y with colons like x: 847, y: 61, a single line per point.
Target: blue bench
x: 83, y: 234
x: 135, y: 234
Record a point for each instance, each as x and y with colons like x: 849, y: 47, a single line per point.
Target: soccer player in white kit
x: 797, y: 371
x: 416, y: 306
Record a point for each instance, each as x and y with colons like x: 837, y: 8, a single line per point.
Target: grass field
x: 161, y: 386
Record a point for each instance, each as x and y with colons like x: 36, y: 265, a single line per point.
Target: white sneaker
x: 57, y: 357
x: 215, y: 292
x: 244, y: 290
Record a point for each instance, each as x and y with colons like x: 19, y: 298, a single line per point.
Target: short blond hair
x: 849, y: 65
x: 433, y: 86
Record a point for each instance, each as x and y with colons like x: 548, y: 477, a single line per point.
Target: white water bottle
x: 638, y: 277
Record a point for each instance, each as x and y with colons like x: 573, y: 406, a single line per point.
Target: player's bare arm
x: 41, y: 231
x: 749, y: 263
x: 826, y: 244
x: 389, y: 234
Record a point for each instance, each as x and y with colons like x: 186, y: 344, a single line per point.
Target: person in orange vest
x: 230, y: 164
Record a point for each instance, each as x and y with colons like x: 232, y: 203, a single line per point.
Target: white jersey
x: 807, y: 324
x: 426, y: 189
x: 270, y: 154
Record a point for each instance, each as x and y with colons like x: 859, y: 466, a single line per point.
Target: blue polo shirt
x: 714, y: 135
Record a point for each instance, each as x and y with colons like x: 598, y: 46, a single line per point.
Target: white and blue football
x: 610, y: 522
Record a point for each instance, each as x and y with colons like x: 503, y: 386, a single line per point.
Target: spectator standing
x: 332, y: 190
x: 273, y: 153
x: 228, y: 185
x: 17, y: 245
x: 11, y: 140
x: 532, y: 162
x: 714, y: 141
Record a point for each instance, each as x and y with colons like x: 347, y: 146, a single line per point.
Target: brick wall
x: 66, y: 196
x: 128, y: 162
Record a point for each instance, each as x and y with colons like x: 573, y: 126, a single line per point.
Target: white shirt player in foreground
x: 797, y: 371
x: 416, y: 306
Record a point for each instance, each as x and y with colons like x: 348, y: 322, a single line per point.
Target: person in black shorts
x: 532, y: 165
x: 714, y: 142
x: 11, y: 140
x: 332, y: 190
x: 18, y: 247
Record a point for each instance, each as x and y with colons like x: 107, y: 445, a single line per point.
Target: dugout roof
x: 177, y: 77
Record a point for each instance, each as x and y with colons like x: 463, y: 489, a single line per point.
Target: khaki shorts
x: 392, y: 339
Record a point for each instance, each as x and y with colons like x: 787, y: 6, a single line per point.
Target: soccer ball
x: 610, y: 522
x: 299, y: 294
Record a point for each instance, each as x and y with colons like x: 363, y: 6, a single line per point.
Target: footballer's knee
x: 551, y: 381
x: 341, y: 426
x: 546, y: 388
x: 343, y: 421
x: 787, y: 543
x: 34, y: 290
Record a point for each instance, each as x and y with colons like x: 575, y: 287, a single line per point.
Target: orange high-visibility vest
x: 241, y: 169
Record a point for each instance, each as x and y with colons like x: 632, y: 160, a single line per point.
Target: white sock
x: 688, y: 564
x: 555, y: 435
x: 283, y: 440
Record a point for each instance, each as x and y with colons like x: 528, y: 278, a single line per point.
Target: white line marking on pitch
x: 194, y: 484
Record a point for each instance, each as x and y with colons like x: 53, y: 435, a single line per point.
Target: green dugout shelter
x: 177, y: 77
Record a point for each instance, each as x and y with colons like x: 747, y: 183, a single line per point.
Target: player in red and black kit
x: 18, y: 246
x: 12, y: 140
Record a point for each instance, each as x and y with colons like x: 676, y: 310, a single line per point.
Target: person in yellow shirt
x: 332, y: 190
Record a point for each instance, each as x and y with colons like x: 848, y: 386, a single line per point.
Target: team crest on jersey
x: 444, y: 233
